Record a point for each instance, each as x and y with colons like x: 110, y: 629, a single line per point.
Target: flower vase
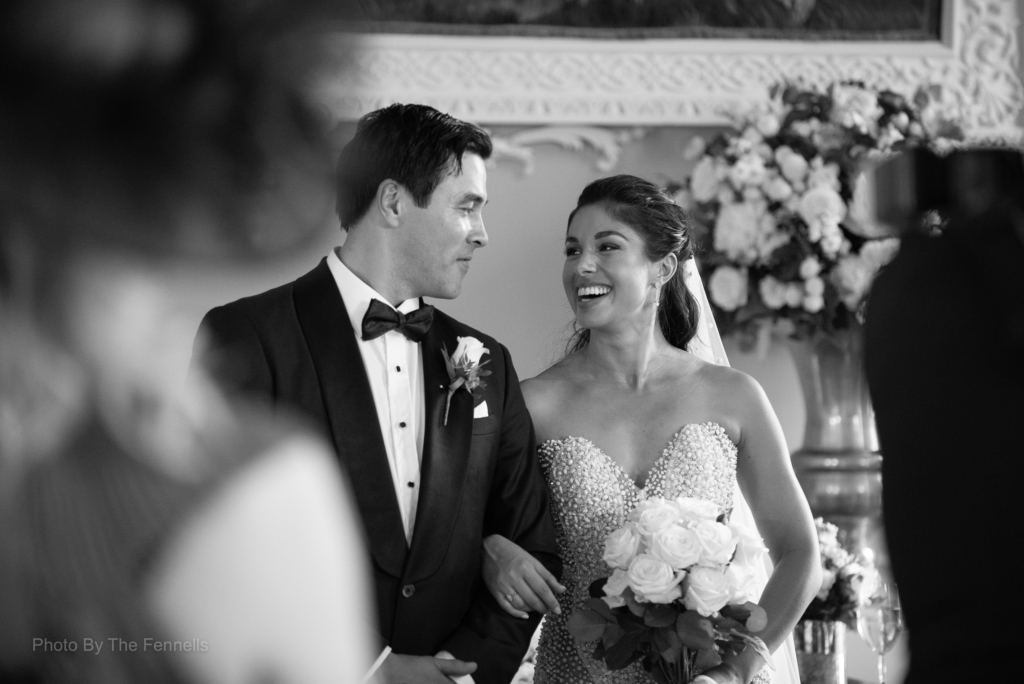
x: 821, y: 651
x: 839, y: 466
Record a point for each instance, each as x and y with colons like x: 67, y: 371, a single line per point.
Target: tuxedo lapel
x: 445, y: 455
x: 348, y: 403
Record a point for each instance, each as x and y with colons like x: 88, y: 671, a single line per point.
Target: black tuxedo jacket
x: 945, y: 366
x: 294, y: 346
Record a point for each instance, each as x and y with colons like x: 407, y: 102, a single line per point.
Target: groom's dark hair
x: 411, y: 144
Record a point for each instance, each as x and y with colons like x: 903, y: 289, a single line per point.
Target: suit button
x: 408, y: 590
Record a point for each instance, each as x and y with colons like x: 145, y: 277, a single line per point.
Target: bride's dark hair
x: 665, y: 229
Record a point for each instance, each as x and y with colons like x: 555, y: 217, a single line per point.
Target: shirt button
x: 408, y: 590
x: 398, y: 368
x: 401, y: 424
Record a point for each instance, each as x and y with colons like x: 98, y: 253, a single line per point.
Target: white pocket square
x: 481, y: 410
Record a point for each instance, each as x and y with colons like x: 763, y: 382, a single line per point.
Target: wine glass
x: 880, y: 621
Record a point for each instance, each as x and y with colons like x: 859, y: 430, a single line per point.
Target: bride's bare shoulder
x: 547, y: 390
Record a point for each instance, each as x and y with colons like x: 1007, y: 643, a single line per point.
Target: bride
x: 634, y: 411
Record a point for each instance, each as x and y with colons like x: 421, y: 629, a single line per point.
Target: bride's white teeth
x: 593, y: 291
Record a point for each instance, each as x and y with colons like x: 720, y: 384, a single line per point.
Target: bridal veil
x: 707, y: 345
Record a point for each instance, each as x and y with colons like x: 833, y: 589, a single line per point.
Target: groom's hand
x: 404, y: 669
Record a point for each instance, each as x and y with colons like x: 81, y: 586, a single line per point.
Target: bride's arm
x: 508, y: 570
x: 783, y: 518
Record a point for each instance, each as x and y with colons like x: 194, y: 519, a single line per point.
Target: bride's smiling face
x: 607, y: 275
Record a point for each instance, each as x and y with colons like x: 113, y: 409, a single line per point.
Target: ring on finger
x: 508, y: 597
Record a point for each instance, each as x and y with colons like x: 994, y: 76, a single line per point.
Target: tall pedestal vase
x: 839, y: 466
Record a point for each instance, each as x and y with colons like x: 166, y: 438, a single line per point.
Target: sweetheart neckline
x: 664, y: 452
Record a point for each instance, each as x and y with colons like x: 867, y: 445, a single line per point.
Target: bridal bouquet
x: 681, y: 592
x: 785, y: 204
x: 844, y: 579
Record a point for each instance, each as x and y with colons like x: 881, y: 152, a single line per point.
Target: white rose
x: 769, y: 238
x: 469, y: 350
x: 653, y: 580
x: 717, y: 541
x: 653, y: 515
x: 814, y: 303
x: 773, y: 292
x: 791, y: 163
x: 620, y: 546
x: 736, y: 231
x: 822, y: 205
x: 852, y: 277
x: 677, y: 546
x: 747, y: 170
x: 768, y: 123
x: 777, y: 189
x: 877, y: 253
x: 814, y: 287
x: 695, y: 147
x: 822, y: 173
x: 614, y: 587
x: 810, y: 267
x: 708, y: 591
x: 794, y: 294
x: 728, y: 287
x: 704, y: 180
x: 742, y: 584
x: 697, y: 509
x: 855, y: 107
x: 828, y: 578
x: 832, y: 240
x: 750, y: 548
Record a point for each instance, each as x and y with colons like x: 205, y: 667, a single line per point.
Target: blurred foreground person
x: 151, y: 532
x: 945, y: 366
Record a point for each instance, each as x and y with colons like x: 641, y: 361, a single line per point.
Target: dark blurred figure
x: 150, y: 532
x: 945, y: 366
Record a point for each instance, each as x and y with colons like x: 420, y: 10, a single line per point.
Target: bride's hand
x: 517, y: 580
x: 720, y: 674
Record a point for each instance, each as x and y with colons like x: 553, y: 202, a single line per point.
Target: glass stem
x: 881, y: 669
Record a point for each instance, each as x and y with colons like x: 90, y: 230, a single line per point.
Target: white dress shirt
x: 395, y: 369
x: 394, y: 366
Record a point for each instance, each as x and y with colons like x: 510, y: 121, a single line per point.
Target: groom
x: 434, y: 467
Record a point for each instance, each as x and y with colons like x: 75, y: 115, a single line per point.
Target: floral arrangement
x: 793, y: 248
x: 464, y: 368
x: 845, y: 578
x: 681, y: 592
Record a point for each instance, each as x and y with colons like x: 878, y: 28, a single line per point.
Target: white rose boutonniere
x: 464, y: 368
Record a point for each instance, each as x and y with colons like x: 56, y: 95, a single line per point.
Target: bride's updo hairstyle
x: 665, y: 229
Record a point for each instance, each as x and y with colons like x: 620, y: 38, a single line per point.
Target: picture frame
x: 565, y: 81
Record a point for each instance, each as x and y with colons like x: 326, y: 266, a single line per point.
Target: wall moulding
x: 682, y: 82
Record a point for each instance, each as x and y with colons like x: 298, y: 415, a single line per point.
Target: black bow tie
x: 380, y: 318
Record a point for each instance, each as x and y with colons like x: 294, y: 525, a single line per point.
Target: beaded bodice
x: 590, y: 497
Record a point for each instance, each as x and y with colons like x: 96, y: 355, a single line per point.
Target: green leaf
x: 707, y: 658
x: 599, y: 606
x: 612, y: 635
x: 667, y: 643
x: 624, y: 651
x: 660, y: 615
x: 695, y: 631
x: 586, y: 625
x: 634, y: 606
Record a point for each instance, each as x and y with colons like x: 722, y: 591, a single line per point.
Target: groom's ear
x: 389, y: 201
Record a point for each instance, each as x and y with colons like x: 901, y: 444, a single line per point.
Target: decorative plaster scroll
x: 607, y: 142
x: 545, y: 81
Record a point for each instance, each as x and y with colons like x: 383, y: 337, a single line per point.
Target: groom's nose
x: 478, y: 236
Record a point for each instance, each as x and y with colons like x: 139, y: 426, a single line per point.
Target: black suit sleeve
x: 228, y: 348
x: 518, y: 508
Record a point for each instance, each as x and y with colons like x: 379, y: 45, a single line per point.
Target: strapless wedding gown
x: 590, y: 497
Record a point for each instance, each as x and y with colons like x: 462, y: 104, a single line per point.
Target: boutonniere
x: 464, y: 368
